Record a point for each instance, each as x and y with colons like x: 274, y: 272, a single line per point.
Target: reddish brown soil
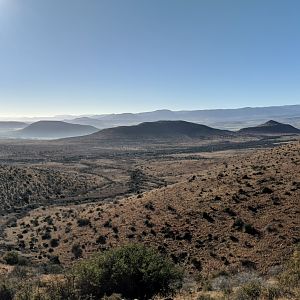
x: 241, y: 213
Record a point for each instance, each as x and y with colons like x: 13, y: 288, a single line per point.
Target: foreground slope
x: 271, y: 127
x: 243, y: 213
x: 54, y: 129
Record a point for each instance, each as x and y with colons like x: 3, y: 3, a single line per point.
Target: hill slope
x: 54, y: 129
x: 271, y: 127
x: 243, y: 213
x: 11, y: 125
x: 160, y: 130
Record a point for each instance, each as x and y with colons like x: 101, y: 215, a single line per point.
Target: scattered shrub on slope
x: 134, y: 271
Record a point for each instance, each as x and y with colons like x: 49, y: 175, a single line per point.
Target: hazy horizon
x: 71, y: 116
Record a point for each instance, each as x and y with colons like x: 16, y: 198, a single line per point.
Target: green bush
x: 134, y: 271
x: 13, y: 258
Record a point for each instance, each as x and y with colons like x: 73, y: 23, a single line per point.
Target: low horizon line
x: 8, y: 117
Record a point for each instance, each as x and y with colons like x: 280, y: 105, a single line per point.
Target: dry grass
x: 238, y: 213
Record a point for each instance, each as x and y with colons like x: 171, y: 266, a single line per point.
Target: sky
x: 110, y: 56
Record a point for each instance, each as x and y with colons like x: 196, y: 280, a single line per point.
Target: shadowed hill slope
x: 11, y: 125
x: 159, y: 130
x: 54, y: 129
x: 271, y: 127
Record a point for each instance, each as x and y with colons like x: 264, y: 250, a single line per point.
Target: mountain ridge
x: 271, y: 127
x: 54, y: 129
x: 159, y: 130
x: 232, y: 118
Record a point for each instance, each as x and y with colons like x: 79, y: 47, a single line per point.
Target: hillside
x: 271, y: 127
x: 239, y: 214
x: 53, y: 130
x: 24, y: 186
x: 160, y: 130
x: 11, y: 125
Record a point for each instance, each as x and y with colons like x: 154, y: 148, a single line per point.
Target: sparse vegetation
x: 218, y: 217
x: 133, y: 271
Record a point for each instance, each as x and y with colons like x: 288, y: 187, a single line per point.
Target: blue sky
x: 103, y: 56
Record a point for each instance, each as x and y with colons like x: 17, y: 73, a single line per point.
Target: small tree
x: 135, y: 271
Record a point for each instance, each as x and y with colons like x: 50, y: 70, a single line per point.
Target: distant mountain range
x: 53, y: 130
x: 232, y: 119
x: 242, y: 121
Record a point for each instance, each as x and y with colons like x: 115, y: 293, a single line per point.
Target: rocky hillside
x: 240, y: 214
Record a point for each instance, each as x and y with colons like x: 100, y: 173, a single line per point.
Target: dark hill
x: 271, y: 127
x: 54, y: 130
x: 159, y: 130
x: 12, y: 125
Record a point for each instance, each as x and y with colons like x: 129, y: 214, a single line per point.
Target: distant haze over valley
x: 257, y: 120
x: 232, y: 119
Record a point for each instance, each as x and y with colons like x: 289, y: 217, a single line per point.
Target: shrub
x: 60, y: 290
x: 54, y: 243
x: 13, y: 258
x: 20, y: 272
x: 249, y: 291
x: 134, y: 271
x: 77, y: 251
x: 83, y: 222
x: 7, y: 292
x: 273, y: 292
x: 290, y: 278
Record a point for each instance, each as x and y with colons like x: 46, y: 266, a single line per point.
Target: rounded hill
x: 54, y: 129
x: 271, y: 127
